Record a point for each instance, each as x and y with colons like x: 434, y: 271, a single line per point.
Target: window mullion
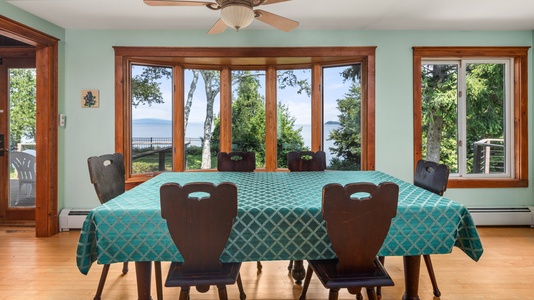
x: 178, y: 119
x: 270, y: 119
x: 462, y: 108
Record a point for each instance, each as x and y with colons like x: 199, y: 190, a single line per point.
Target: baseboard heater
x: 503, y: 216
x: 72, y: 218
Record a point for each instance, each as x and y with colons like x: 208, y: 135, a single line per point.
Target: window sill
x: 486, y: 183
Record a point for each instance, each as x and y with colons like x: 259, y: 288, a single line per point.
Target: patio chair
x: 24, y: 164
x: 200, y: 226
x: 107, y: 176
x: 358, y: 217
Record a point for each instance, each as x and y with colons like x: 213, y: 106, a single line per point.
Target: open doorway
x: 18, y: 123
x: 46, y: 143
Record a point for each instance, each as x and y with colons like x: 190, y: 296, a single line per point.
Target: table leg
x: 411, y: 277
x: 298, y: 272
x: 143, y: 270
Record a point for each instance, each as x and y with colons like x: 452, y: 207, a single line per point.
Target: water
x: 163, y: 129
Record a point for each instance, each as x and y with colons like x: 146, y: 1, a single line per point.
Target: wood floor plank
x: 45, y: 268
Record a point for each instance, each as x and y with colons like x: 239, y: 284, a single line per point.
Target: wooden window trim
x: 269, y: 59
x: 520, y: 121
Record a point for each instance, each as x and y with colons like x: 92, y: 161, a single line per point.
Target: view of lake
x: 145, y: 128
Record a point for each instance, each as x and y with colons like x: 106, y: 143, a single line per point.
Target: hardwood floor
x: 45, y: 268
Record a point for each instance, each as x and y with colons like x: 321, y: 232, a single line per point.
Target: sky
x: 299, y: 104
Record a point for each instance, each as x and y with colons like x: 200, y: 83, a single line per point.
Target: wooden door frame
x: 46, y: 211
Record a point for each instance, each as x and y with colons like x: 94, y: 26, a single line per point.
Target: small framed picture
x: 90, y: 99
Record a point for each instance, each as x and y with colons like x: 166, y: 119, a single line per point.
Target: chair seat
x: 227, y: 276
x: 327, y: 272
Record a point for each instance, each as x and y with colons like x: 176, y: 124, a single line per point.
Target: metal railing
x: 149, y: 146
x: 489, y: 156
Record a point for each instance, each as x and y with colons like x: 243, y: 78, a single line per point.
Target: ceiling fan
x: 237, y: 14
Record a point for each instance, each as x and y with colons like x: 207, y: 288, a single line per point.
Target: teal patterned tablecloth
x: 279, y: 218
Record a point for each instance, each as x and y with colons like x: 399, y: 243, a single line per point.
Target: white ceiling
x: 312, y: 14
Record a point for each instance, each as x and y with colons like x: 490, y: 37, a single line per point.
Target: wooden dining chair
x: 302, y: 161
x: 200, y: 217
x: 432, y: 177
x: 358, y: 217
x: 236, y: 161
x: 107, y: 176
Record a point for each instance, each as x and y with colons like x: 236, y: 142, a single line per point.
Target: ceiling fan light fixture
x: 237, y: 16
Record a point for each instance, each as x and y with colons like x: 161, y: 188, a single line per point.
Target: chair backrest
x: 107, y: 175
x: 358, y: 217
x: 199, y: 224
x: 306, y: 161
x: 24, y: 164
x: 236, y: 161
x: 431, y: 176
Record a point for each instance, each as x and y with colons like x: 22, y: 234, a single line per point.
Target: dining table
x: 279, y: 218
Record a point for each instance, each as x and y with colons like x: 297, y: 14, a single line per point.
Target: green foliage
x: 347, y: 138
x: 248, y: 122
x: 484, y: 107
x: 146, y: 86
x: 22, y: 91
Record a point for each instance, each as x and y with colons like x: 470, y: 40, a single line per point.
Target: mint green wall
x: 89, y: 63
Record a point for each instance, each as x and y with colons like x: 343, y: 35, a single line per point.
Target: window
x: 465, y: 104
x: 206, y: 100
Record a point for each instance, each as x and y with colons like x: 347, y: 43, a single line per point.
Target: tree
x: 347, y: 137
x: 211, y: 87
x: 248, y: 121
x: 22, y: 93
x: 146, y: 86
x: 484, y: 109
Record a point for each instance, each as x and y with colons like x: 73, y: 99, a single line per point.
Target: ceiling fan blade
x: 176, y: 3
x: 276, y: 21
x: 273, y: 1
x: 218, y: 27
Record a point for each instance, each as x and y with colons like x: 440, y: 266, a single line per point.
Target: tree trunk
x: 433, y: 140
x: 189, y: 101
x: 212, y: 89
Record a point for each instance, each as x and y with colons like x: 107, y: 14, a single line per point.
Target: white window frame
x: 462, y: 111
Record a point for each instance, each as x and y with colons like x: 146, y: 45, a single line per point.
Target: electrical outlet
x: 62, y: 120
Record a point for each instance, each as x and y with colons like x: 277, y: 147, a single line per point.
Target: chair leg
x: 371, y: 293
x: 306, y: 283
x: 242, y: 295
x: 125, y: 268
x: 259, y: 266
x: 159, y: 281
x: 382, y: 260
x: 333, y: 294
x: 184, y: 293
x: 430, y: 269
x: 290, y: 266
x: 102, y: 281
x: 222, y: 292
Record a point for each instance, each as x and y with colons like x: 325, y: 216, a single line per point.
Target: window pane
x: 440, y: 114
x: 485, y: 118
x: 293, y: 113
x: 248, y: 113
x: 21, y: 140
x: 151, y: 98
x: 342, y: 117
x: 201, y: 115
